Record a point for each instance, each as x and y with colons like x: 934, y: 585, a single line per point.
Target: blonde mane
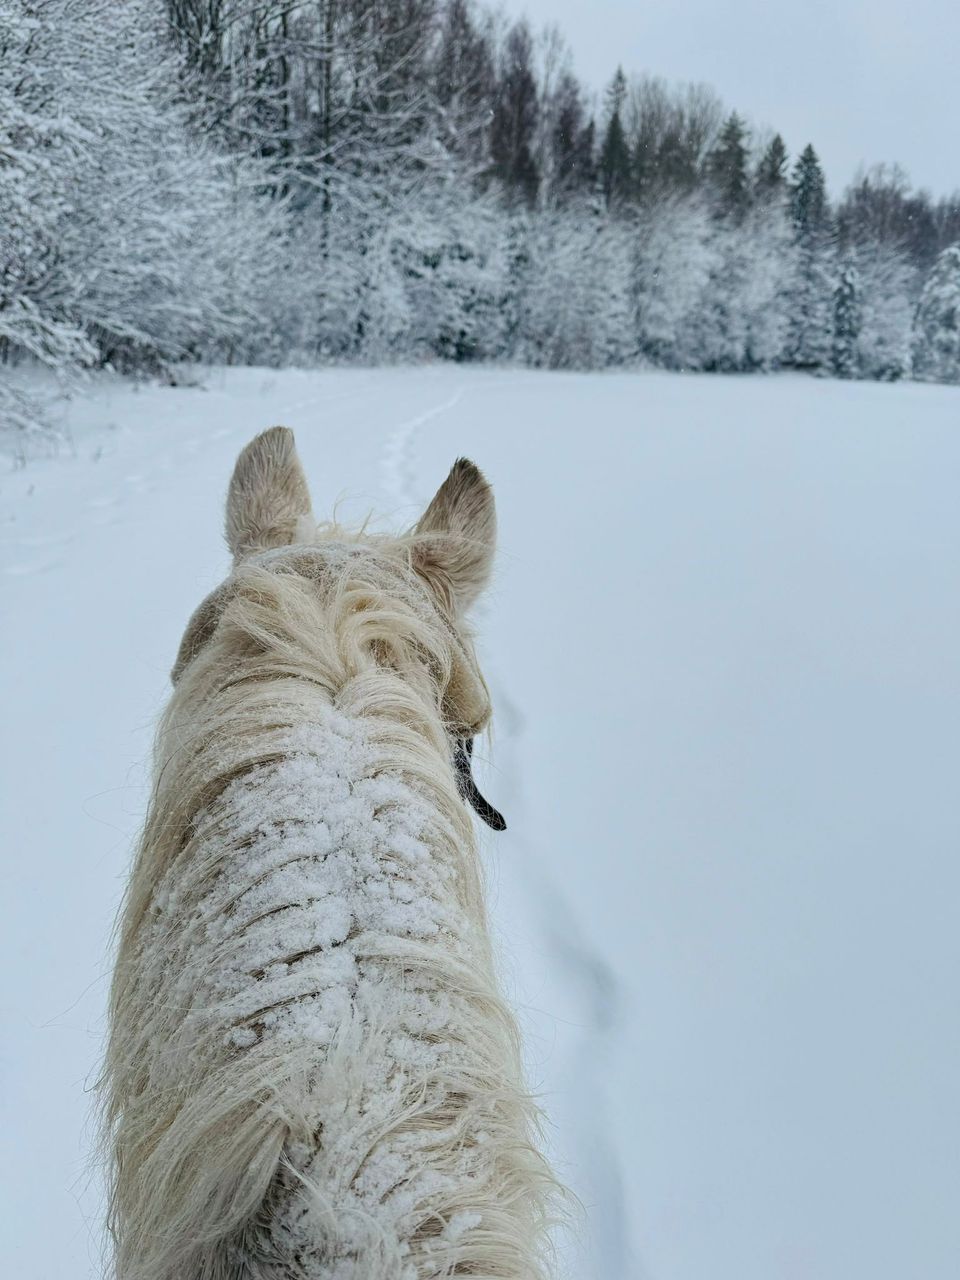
x: 311, y: 1073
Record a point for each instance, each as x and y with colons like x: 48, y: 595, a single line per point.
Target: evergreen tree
x: 517, y: 283
x: 846, y: 324
x: 809, y: 342
x: 809, y: 196
x: 727, y: 169
x: 614, y: 152
x: 770, y: 180
x: 936, y: 349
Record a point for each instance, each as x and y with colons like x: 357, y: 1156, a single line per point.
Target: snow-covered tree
x: 936, y: 345
x: 451, y: 258
x: 42, y: 150
x: 144, y: 239
x: 349, y: 179
x: 742, y: 321
x: 847, y: 323
x: 518, y: 277
x: 810, y: 335
x: 886, y: 289
x: 809, y: 195
x: 675, y: 254
x: 578, y: 313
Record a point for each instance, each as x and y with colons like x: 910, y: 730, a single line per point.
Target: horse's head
x: 425, y: 579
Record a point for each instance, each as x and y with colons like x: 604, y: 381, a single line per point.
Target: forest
x: 404, y: 180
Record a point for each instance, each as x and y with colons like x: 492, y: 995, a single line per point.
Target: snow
x: 722, y: 644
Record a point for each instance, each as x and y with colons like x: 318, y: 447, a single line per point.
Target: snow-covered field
x: 723, y: 643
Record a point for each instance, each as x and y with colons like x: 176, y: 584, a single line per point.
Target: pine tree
x: 727, y: 169
x: 770, y: 180
x: 846, y: 324
x: 614, y: 152
x: 809, y: 196
x: 809, y: 342
x: 936, y: 348
x: 517, y: 282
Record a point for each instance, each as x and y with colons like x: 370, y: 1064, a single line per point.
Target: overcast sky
x: 863, y: 80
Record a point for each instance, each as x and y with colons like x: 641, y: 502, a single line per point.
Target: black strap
x: 462, y: 752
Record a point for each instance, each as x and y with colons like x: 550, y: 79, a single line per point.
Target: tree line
x: 237, y: 180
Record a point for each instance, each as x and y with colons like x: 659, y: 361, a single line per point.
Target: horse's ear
x: 456, y: 536
x: 268, y: 494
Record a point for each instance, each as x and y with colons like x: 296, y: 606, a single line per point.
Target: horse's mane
x: 260, y: 1129
x: 338, y: 623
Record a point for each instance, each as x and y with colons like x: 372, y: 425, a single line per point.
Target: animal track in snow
x: 397, y: 465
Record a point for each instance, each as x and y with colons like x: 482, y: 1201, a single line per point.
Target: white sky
x: 863, y: 80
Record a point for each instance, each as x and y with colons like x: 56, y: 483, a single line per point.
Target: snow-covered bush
x: 887, y: 286
x: 674, y: 255
x: 451, y: 254
x: 742, y: 321
x: 124, y: 238
x: 936, y: 347
x: 42, y: 148
x: 577, y: 313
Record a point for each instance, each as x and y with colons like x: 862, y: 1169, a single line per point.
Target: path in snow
x: 723, y: 645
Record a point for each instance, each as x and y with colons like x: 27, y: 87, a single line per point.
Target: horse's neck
x: 311, y: 884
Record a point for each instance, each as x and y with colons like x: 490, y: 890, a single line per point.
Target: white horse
x: 311, y: 1072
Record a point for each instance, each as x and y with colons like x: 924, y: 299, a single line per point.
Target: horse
x: 311, y: 1071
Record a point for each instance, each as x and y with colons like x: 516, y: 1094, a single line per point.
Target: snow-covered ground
x: 723, y: 642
